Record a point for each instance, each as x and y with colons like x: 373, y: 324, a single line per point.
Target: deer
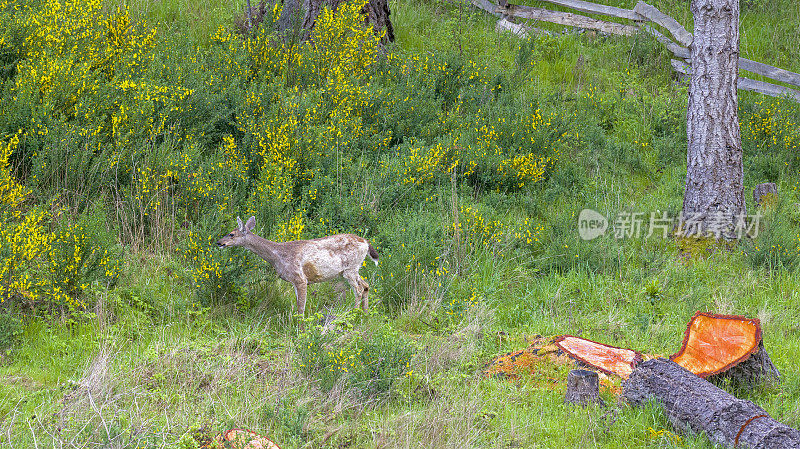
x: 302, y: 262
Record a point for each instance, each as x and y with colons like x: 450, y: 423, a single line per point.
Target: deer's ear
x: 251, y: 223
x: 241, y: 226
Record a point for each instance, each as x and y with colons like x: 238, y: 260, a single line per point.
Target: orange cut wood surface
x: 244, y: 439
x: 714, y: 343
x: 609, y: 359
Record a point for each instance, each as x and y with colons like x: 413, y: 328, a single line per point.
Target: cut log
x: 594, y: 8
x: 721, y: 344
x: 244, y: 439
x: 583, y: 388
x: 608, y: 359
x: 760, y: 192
x: 694, y: 403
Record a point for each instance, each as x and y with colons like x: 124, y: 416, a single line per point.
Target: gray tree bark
x: 291, y: 15
x: 714, y: 195
x: 694, y: 403
x: 301, y: 17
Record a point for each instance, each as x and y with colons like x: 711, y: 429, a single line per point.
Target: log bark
x: 764, y: 189
x: 696, y: 404
x: 714, y: 194
x: 583, y: 388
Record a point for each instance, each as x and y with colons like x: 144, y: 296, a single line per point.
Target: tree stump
x: 765, y: 194
x: 583, y: 387
x: 718, y: 347
x: 694, y: 403
x: 756, y: 370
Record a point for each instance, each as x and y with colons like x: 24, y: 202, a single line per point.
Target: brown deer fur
x: 302, y: 262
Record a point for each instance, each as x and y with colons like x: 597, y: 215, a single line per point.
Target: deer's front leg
x: 300, y: 289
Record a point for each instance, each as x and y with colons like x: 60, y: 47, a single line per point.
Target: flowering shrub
x: 478, y: 230
x: 40, y: 265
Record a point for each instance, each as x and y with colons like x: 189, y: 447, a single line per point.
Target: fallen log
x: 675, y: 29
x: 694, y: 403
x: 566, y: 18
x: 243, y: 439
x: 761, y: 87
x: 594, y: 8
x: 504, y: 24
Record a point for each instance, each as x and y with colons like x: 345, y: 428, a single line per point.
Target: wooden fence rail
x: 642, y: 16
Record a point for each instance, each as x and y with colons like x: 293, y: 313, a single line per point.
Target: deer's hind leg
x: 300, y: 289
x: 364, y: 294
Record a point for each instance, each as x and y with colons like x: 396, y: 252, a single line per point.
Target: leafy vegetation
x: 131, y: 138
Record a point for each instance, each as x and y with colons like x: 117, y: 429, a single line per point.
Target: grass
x: 160, y: 359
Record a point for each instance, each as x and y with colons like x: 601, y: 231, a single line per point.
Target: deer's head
x: 237, y: 236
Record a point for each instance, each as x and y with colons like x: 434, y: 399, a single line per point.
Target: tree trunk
x: 376, y: 12
x: 693, y: 403
x: 290, y: 15
x: 714, y: 195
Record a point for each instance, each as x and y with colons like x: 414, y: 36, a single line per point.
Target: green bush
x: 368, y: 359
x: 10, y: 330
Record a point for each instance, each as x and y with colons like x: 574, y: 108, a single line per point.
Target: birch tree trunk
x: 714, y: 195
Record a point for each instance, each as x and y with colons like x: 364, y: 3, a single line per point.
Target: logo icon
x: 591, y: 224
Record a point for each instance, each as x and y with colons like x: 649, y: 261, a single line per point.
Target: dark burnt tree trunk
x: 291, y: 14
x: 714, y: 195
x: 301, y: 15
x: 694, y: 403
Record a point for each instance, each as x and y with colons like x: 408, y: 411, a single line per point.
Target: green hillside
x: 133, y: 135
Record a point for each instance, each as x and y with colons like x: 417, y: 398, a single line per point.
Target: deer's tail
x: 373, y: 254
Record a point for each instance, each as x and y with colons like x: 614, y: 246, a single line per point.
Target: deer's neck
x: 263, y: 247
